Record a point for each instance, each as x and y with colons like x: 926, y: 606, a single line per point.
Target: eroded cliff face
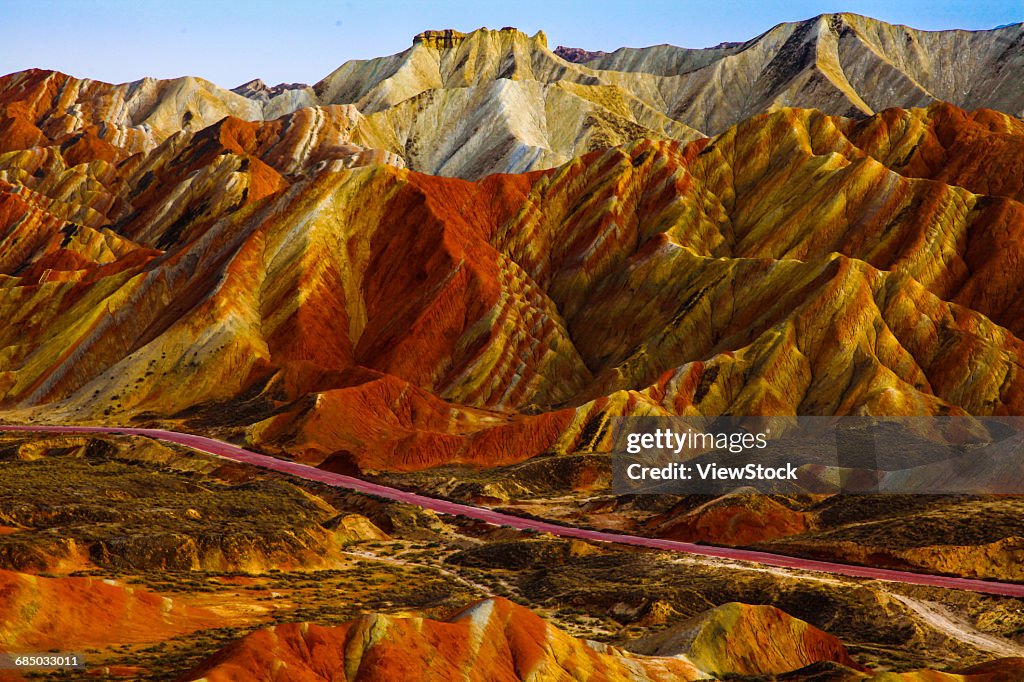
x: 519, y: 104
x: 275, y: 275
x: 488, y: 101
x: 841, y: 63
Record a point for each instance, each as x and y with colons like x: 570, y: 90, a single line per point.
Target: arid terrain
x: 450, y: 270
x: 181, y: 554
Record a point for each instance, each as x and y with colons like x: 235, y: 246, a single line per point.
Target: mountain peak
x: 257, y: 89
x: 443, y: 39
x: 449, y: 38
x: 578, y: 55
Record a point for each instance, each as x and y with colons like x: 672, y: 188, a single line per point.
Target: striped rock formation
x: 493, y: 640
x: 261, y: 274
x: 491, y: 101
x: 38, y: 614
x: 840, y: 63
x: 470, y: 104
x: 741, y: 639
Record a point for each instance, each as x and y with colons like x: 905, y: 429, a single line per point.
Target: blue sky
x: 229, y: 43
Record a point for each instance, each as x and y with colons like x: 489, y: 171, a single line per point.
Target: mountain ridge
x: 294, y: 255
x: 472, y: 104
x: 450, y: 271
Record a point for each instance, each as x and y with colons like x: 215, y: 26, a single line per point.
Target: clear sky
x: 232, y: 42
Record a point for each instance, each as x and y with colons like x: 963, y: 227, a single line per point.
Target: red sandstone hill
x: 491, y: 101
x: 495, y: 639
x: 491, y: 641
x: 272, y: 275
x: 70, y: 614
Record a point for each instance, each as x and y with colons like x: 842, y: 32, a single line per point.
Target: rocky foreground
x: 154, y: 561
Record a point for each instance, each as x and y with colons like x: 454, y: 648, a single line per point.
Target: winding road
x: 235, y: 453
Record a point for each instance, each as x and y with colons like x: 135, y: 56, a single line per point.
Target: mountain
x: 136, y: 115
x: 740, y: 639
x: 840, y: 63
x: 495, y: 639
x: 578, y: 55
x: 450, y: 270
x: 491, y: 640
x: 471, y: 104
x: 39, y: 613
x: 275, y: 276
x: 257, y: 89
